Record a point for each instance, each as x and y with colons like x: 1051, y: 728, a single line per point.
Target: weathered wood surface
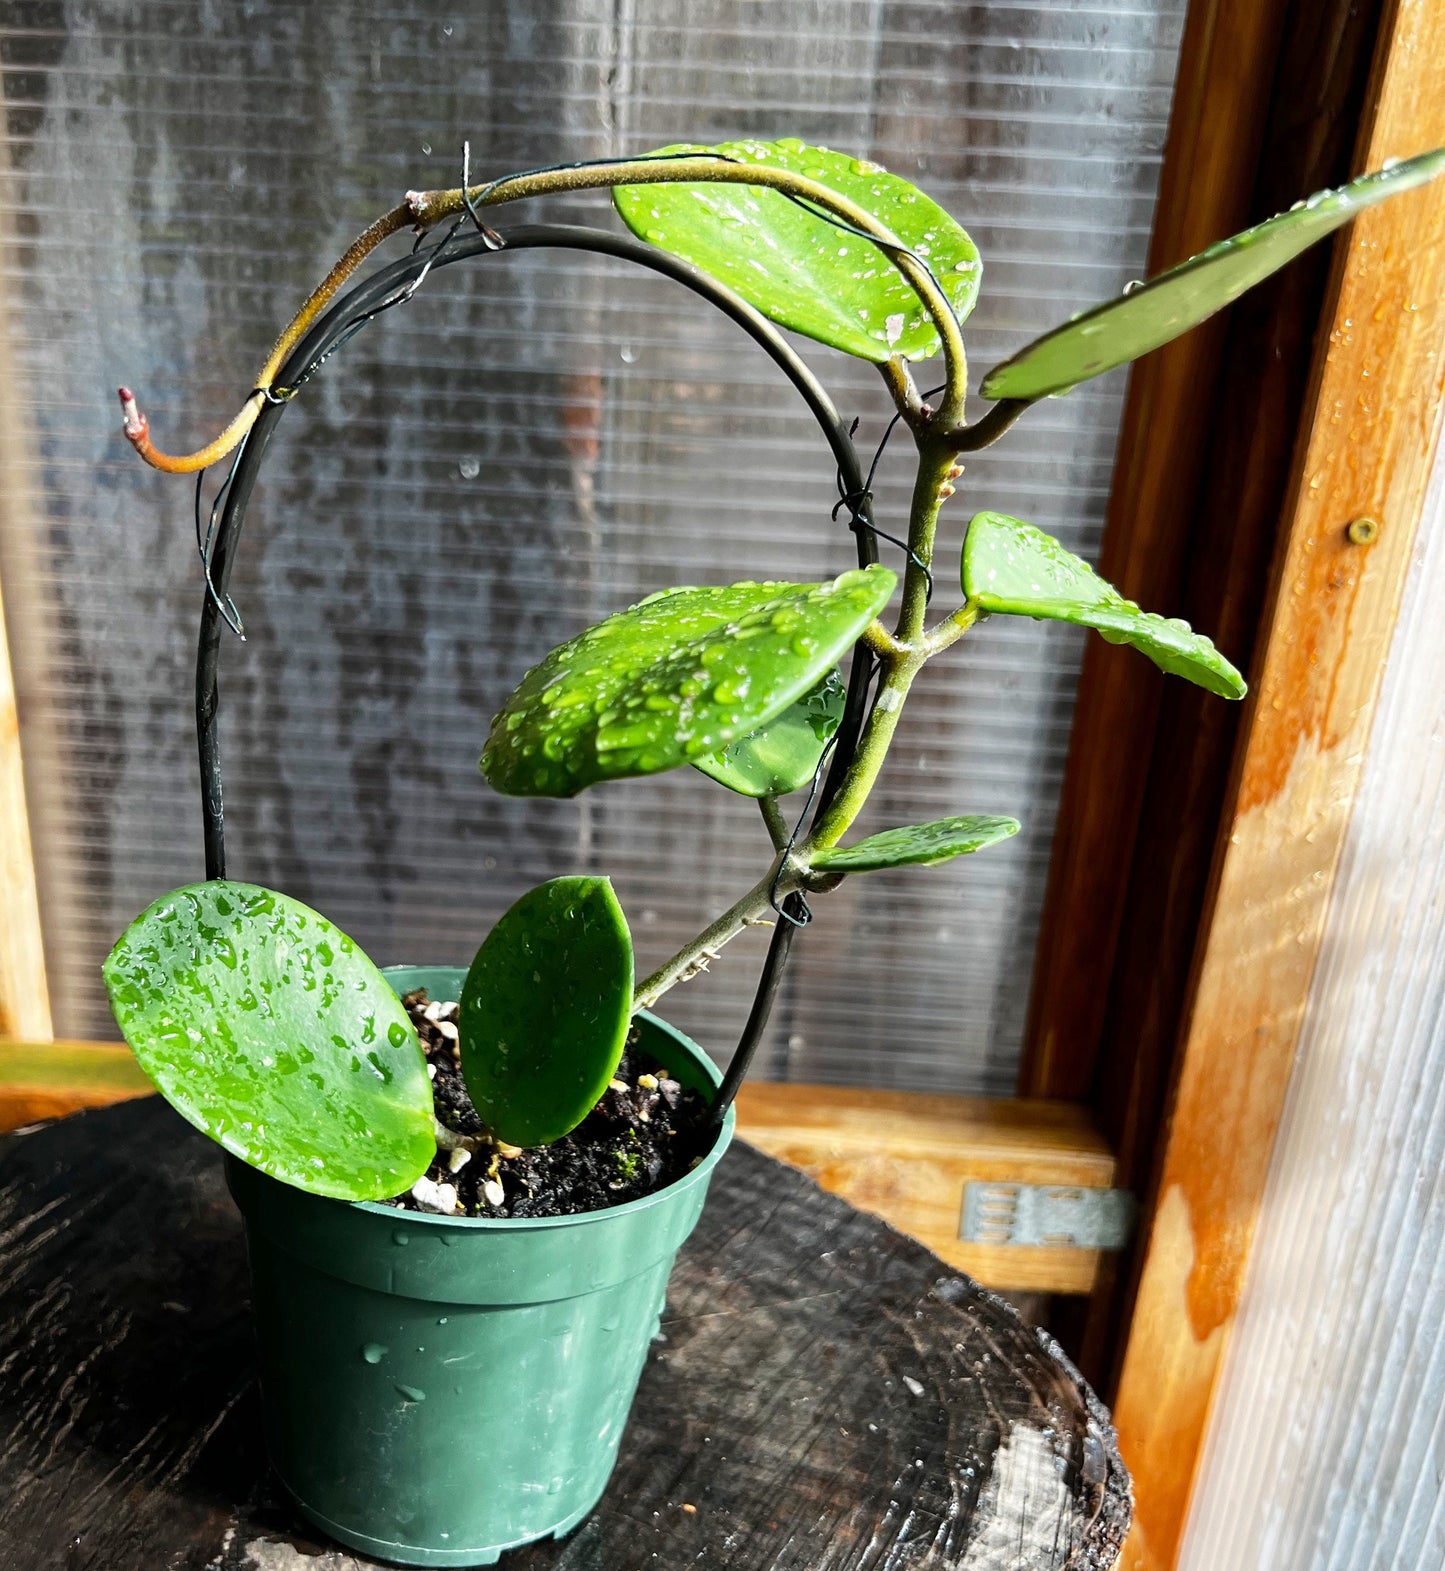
x: 825, y: 1394
x: 907, y: 1156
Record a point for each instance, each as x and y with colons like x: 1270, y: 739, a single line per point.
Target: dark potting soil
x: 640, y: 1137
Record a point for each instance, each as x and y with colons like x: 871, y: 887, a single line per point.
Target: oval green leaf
x: 1117, y: 331
x: 272, y: 1032
x: 803, y: 271
x: 783, y: 755
x: 1014, y: 568
x: 917, y: 845
x: 546, y: 1008
x: 673, y: 680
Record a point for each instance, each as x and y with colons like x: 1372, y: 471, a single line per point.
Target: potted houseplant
x: 464, y: 1189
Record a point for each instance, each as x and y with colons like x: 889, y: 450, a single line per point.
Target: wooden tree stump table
x: 825, y: 1394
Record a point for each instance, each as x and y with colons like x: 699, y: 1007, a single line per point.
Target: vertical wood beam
x: 1231, y: 527
x: 24, y: 989
x: 1367, y: 452
x: 1227, y: 68
x: 24, y: 995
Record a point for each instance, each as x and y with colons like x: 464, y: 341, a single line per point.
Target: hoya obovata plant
x: 271, y: 1031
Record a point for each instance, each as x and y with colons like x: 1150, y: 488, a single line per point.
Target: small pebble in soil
x: 639, y: 1138
x: 432, y: 1196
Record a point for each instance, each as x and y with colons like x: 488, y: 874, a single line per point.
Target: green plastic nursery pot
x: 439, y: 1389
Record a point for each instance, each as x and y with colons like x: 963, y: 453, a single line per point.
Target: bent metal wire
x: 857, y: 499
x: 394, y: 284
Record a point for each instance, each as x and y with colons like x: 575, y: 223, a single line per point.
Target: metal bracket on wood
x: 1046, y: 1215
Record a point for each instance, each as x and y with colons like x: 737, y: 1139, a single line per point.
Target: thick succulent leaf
x: 920, y: 845
x: 783, y: 755
x: 674, y: 680
x: 1012, y: 567
x: 546, y: 1008
x: 1118, y: 331
x: 803, y: 271
x: 273, y: 1033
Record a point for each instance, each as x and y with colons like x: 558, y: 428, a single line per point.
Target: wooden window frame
x: 24, y: 990
x: 1197, y: 850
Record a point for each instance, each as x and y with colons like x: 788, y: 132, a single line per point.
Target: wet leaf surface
x: 803, y: 271
x: 917, y: 845
x: 1014, y: 568
x: 270, y: 1031
x: 1117, y: 331
x: 783, y: 755
x: 674, y: 680
x: 546, y: 1008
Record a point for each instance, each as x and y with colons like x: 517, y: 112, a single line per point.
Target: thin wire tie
x: 494, y: 241
x: 855, y: 501
x: 780, y: 905
x: 284, y: 395
x: 204, y: 545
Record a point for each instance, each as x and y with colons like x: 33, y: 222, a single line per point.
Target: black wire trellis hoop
x: 396, y: 283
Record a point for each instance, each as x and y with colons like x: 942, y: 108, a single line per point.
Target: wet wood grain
x: 825, y: 1392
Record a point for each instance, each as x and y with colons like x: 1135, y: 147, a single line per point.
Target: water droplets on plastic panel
x: 534, y: 442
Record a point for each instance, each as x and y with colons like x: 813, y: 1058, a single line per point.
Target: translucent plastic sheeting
x: 1326, y: 1448
x: 533, y: 442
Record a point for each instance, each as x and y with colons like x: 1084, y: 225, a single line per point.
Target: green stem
x: 936, y: 468
x: 773, y: 818
x: 902, y: 390
x: 951, y: 629
x: 751, y: 911
x: 985, y: 432
x: 872, y: 749
x: 880, y: 640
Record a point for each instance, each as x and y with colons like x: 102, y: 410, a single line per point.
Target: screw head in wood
x: 1362, y: 531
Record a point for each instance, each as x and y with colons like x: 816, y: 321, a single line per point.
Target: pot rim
x: 484, y: 1224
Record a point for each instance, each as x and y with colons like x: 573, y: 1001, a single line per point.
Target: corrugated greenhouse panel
x: 1326, y: 1450
x: 534, y: 441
